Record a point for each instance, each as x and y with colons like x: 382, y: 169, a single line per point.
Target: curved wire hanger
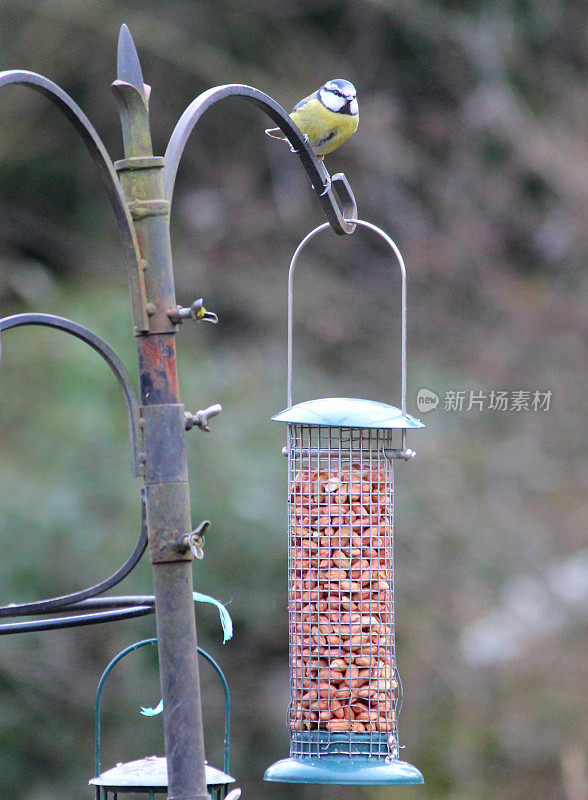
x: 400, y: 260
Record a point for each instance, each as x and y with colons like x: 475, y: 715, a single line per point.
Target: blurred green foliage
x: 471, y: 152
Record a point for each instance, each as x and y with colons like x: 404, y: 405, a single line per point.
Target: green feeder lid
x: 149, y: 772
x: 347, y: 412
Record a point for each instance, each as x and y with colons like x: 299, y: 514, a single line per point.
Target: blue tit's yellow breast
x: 326, y: 130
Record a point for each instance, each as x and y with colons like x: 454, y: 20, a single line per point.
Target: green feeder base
x: 356, y: 770
x: 343, y: 758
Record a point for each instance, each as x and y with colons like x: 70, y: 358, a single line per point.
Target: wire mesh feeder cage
x: 345, y: 689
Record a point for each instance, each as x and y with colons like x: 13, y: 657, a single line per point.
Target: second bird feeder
x: 345, y: 690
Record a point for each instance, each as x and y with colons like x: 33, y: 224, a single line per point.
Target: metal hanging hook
x: 333, y: 192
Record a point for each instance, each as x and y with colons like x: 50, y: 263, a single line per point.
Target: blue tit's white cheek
x: 331, y: 101
x: 353, y: 107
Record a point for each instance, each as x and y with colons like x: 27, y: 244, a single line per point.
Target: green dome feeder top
x: 347, y: 412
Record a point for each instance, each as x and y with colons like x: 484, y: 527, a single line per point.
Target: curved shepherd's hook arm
x: 94, y: 144
x: 334, y: 193
x: 109, y: 356
x: 132, y: 404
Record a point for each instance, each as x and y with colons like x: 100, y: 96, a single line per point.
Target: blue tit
x: 328, y: 117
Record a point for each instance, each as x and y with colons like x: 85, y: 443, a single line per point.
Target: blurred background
x: 471, y: 153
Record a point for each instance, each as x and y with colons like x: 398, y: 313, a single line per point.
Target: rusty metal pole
x: 166, y: 492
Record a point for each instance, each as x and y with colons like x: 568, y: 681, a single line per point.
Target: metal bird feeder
x: 345, y: 689
x: 149, y: 776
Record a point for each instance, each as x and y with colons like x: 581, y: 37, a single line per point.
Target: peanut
x: 333, y: 484
x: 383, y: 724
x: 338, y: 664
x: 367, y: 716
x: 338, y: 725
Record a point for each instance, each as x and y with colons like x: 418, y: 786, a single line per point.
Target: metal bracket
x: 168, y: 518
x: 167, y: 492
x: 402, y: 454
x: 163, y: 429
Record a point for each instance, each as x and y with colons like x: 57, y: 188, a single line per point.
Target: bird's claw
x: 306, y: 140
x: 327, y: 188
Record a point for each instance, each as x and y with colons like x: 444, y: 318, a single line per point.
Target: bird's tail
x: 276, y: 133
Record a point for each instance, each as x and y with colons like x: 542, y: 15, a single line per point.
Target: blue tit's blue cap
x: 345, y: 87
x: 347, y: 412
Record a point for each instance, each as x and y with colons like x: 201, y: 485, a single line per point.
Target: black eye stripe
x: 339, y: 94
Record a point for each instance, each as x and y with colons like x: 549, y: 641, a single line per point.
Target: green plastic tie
x: 227, y: 626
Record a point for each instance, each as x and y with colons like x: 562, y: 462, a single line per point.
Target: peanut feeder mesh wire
x: 344, y: 687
